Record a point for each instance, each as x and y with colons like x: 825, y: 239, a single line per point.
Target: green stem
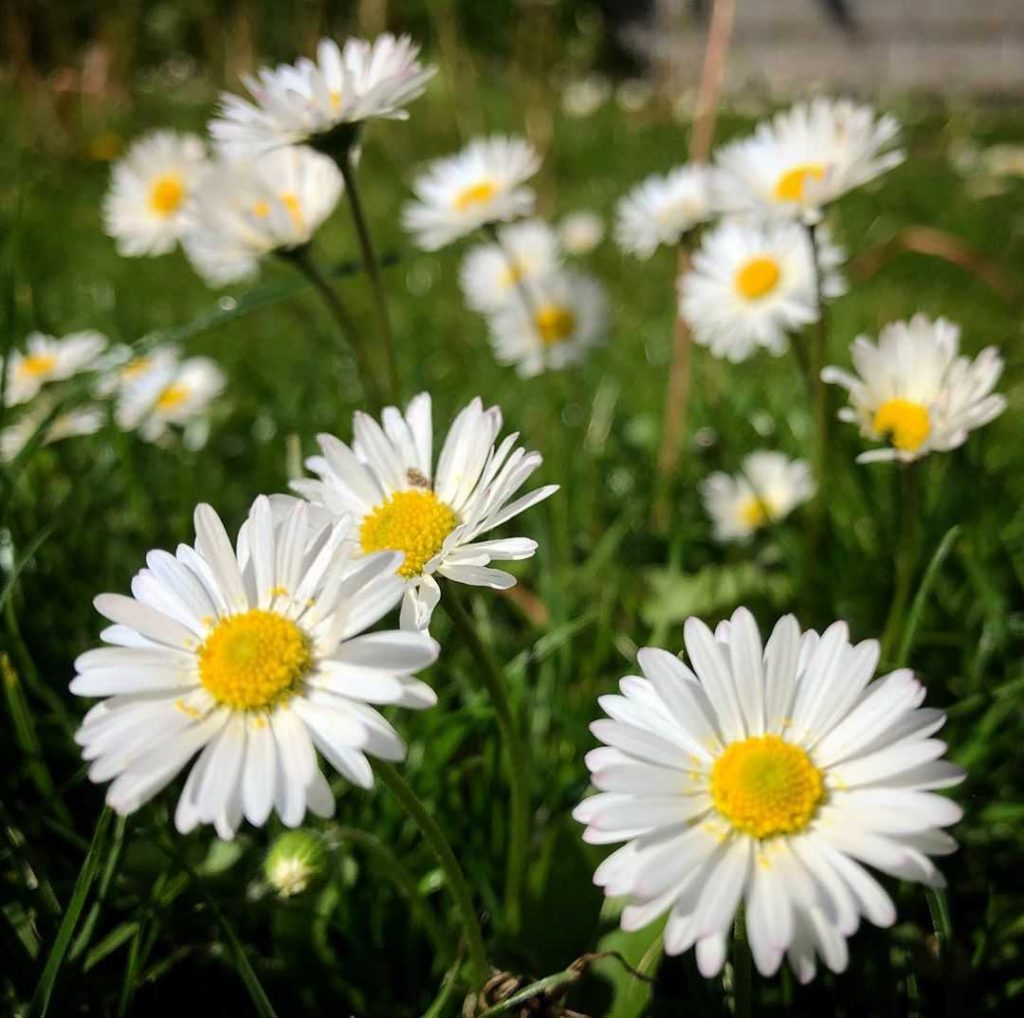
x: 906, y: 555
x: 515, y: 749
x: 434, y: 836
x: 817, y: 362
x: 742, y: 977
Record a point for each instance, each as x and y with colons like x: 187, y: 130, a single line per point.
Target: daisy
x: 253, y: 656
x: 492, y: 274
x: 125, y: 368
x: 144, y: 210
x: 915, y: 392
x: 479, y: 186
x: 662, y: 208
x: 580, y: 232
x: 46, y: 359
x: 554, y: 324
x: 804, y: 158
x: 245, y: 211
x: 83, y: 420
x: 303, y: 103
x: 768, y: 488
x: 388, y: 484
x: 768, y: 775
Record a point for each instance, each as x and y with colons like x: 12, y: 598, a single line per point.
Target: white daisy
x: 492, y: 274
x: 46, y: 359
x: 585, y: 96
x: 580, y: 232
x: 245, y: 211
x: 479, y: 186
x: 124, y: 368
x: 768, y: 488
x: 915, y: 392
x: 82, y: 420
x: 387, y: 483
x: 304, y: 102
x: 661, y: 209
x: 149, y: 191
x: 253, y: 656
x: 804, y: 158
x: 767, y: 775
x: 554, y: 323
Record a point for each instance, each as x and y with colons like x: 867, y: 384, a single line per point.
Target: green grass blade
x: 914, y: 618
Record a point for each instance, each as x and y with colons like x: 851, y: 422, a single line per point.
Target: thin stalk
x: 456, y: 880
x: 906, y: 555
x: 817, y: 362
x: 515, y: 750
x: 372, y: 265
x: 741, y: 969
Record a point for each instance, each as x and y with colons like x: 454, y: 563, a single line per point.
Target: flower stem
x: 434, y: 836
x: 518, y: 763
x: 906, y: 554
x: 816, y: 364
x: 741, y: 969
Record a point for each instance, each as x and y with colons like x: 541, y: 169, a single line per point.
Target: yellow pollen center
x: 475, y: 194
x: 335, y: 99
x: 253, y: 660
x: 906, y: 423
x: 294, y: 206
x: 166, y: 194
x: 173, y: 395
x: 764, y: 786
x: 790, y: 186
x: 758, y: 277
x: 37, y: 364
x: 413, y: 522
x: 555, y: 324
x: 754, y: 512
x: 135, y: 367
x: 514, y: 274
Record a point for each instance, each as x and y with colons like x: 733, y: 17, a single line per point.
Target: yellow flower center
x: 906, y: 423
x: 555, y: 323
x: 253, y: 660
x: 758, y: 277
x: 135, y: 367
x: 413, y: 522
x: 790, y: 186
x: 514, y: 274
x: 172, y: 396
x: 764, y: 786
x: 294, y: 206
x: 36, y: 365
x: 475, y: 194
x: 754, y: 512
x: 166, y: 194
x: 335, y: 99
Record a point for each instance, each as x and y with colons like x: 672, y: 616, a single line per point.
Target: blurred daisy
x: 303, y: 103
x: 83, y: 420
x: 767, y: 489
x: 767, y: 775
x: 661, y: 209
x: 245, y: 211
x: 804, y: 158
x: 492, y: 274
x: 254, y: 657
x: 144, y: 210
x: 585, y: 96
x: 479, y: 186
x: 556, y: 323
x: 386, y: 482
x: 124, y: 368
x: 915, y: 392
x: 46, y: 359
x: 580, y: 232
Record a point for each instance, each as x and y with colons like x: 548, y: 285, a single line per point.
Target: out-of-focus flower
x: 580, y: 232
x: 493, y: 273
x: 585, y: 96
x: 82, y: 420
x: 295, y: 862
x: 633, y: 95
x: 46, y: 359
x: 661, y: 209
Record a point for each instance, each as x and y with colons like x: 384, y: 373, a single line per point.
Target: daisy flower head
x: 580, y: 232
x: 915, y: 391
x: 767, y: 489
x: 493, y: 273
x: 662, y: 208
x: 150, y: 188
x: 435, y: 515
x: 47, y: 359
x: 82, y: 420
x: 311, y: 101
x: 804, y: 158
x: 245, y: 211
x: 769, y: 775
x: 479, y: 186
x: 254, y: 656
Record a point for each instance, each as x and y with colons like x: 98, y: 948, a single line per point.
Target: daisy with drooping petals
x: 768, y: 775
x: 245, y: 211
x: 915, y: 392
x: 387, y: 483
x: 257, y: 657
x: 661, y: 209
x: 303, y: 103
x: 481, y: 185
x: 83, y: 420
x: 144, y: 210
x: 804, y: 158
x: 768, y: 488
x: 46, y: 359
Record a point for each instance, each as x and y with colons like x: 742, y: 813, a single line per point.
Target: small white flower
x: 253, y: 656
x: 580, y: 232
x: 150, y: 188
x: 914, y: 391
x: 245, y: 211
x: 660, y: 209
x: 768, y: 488
x: 553, y: 324
x: 46, y: 359
x: 387, y: 483
x: 479, y: 186
x: 302, y: 103
x: 82, y: 420
x: 585, y: 96
x: 492, y: 273
x: 769, y: 775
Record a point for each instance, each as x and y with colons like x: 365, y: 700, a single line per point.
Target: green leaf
x: 643, y: 950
